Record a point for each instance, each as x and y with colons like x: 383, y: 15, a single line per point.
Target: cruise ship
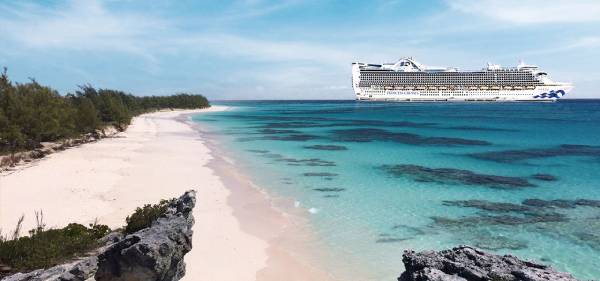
x: 407, y: 80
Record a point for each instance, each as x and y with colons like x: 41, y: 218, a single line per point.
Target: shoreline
x: 285, y: 229
x: 238, y: 235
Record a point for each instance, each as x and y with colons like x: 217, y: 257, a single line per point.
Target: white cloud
x: 90, y: 26
x: 531, y: 11
x: 77, y: 25
x: 254, y: 49
x: 244, y: 9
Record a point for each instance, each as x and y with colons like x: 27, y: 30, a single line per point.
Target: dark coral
x: 326, y: 147
x: 455, y: 176
x: 372, y: 134
x: 526, y: 154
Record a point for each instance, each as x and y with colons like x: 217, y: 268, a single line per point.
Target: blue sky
x: 289, y: 49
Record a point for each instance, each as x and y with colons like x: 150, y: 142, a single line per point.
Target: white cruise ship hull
x: 540, y: 94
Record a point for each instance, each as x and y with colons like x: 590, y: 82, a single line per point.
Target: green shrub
x: 145, y: 216
x: 31, y: 113
x: 45, y: 248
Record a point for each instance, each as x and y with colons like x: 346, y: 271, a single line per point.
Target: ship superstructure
x: 408, y: 80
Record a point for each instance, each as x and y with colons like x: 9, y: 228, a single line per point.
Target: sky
x: 287, y: 49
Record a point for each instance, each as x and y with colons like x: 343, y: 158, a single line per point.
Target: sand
x: 157, y: 157
x: 238, y: 235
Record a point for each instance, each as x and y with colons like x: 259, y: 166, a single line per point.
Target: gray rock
x: 154, y: 253
x: 466, y: 263
x: 112, y: 238
x: 80, y: 270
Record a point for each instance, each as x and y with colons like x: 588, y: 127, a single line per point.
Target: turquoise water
x: 378, y: 178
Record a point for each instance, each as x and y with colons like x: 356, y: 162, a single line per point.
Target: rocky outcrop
x: 151, y: 254
x: 154, y: 253
x: 466, y: 263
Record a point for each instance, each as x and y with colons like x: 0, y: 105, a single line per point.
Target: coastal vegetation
x: 47, y: 247
x: 44, y: 247
x: 145, y: 216
x: 31, y: 113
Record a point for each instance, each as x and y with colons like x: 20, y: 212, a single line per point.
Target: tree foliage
x: 31, y: 113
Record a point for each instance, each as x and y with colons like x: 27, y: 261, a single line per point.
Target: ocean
x: 375, y: 179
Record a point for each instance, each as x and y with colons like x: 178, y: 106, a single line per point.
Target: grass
x: 45, y: 248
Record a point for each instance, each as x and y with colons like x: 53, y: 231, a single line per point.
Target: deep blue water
x: 378, y: 178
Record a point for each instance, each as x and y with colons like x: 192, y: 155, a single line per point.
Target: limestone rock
x: 80, y: 270
x: 154, y: 253
x: 466, y: 263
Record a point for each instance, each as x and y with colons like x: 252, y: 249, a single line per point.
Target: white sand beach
x: 157, y: 157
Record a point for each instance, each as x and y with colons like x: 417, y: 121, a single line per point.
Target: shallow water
x: 378, y: 178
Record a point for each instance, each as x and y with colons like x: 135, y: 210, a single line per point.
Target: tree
x: 31, y: 113
x: 87, y: 116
